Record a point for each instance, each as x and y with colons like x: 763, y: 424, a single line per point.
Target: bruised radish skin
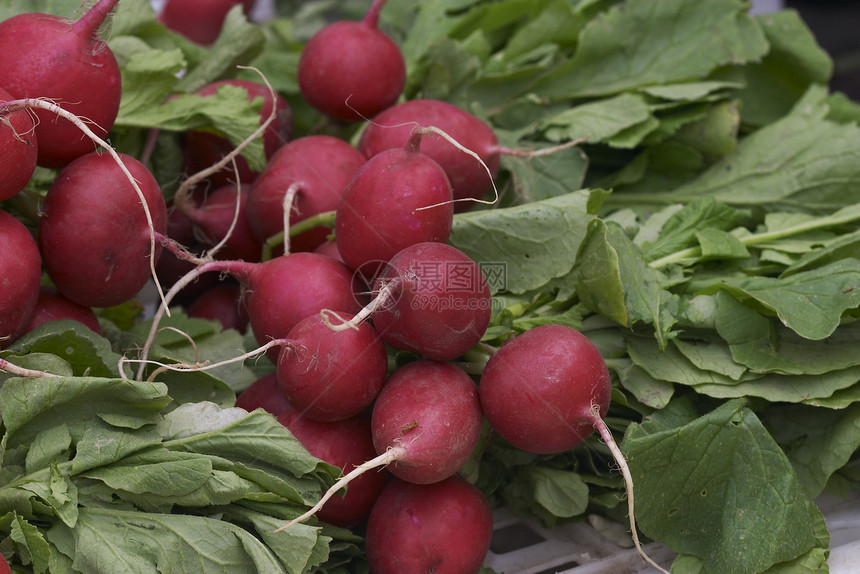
x: 538, y: 390
x: 350, y: 71
x: 264, y: 393
x: 431, y: 410
x: 469, y: 179
x: 332, y: 375
x: 443, y: 528
x: 213, y: 221
x: 45, y: 56
x: 203, y: 149
x: 54, y: 306
x: 93, y: 233
x: 345, y: 444
x: 199, y: 20
x: 400, y: 197
x: 318, y: 167
x: 441, y: 302
x: 18, y: 150
x: 20, y: 274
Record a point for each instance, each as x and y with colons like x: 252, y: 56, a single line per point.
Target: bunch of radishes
x: 328, y: 313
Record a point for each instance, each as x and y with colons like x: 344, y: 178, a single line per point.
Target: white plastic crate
x: 524, y: 547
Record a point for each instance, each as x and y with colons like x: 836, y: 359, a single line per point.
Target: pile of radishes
x: 362, y: 271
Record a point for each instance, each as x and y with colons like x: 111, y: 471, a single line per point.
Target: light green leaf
x: 720, y: 489
x: 561, y: 492
x: 598, y: 120
x: 31, y: 545
x: 640, y: 42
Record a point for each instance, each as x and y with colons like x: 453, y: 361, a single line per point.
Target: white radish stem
x: 530, y: 153
x: 23, y: 372
x: 384, y: 459
x: 384, y: 296
x: 29, y: 103
x: 607, y: 437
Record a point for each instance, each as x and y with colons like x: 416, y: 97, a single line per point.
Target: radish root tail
x: 620, y: 459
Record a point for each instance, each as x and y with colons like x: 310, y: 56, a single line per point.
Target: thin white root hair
x: 621, y: 460
x: 462, y: 148
x: 23, y: 372
x: 289, y: 199
x: 528, y: 154
x: 384, y: 295
x: 44, y: 104
x: 390, y: 455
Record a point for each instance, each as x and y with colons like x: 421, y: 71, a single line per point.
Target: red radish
x: 203, y: 149
x: 346, y: 444
x: 435, y: 301
x: 329, y: 248
x: 45, y: 56
x: 169, y: 268
x: 18, y: 151
x: 264, y: 393
x: 443, y: 528
x: 546, y: 391
x: 426, y: 422
x: 398, y: 198
x: 20, y: 274
x: 221, y: 303
x: 280, y: 292
x: 352, y: 70
x: 223, y: 215
x: 4, y: 565
x: 199, y: 20
x: 109, y: 263
x: 316, y: 169
x: 53, y: 306
x: 332, y: 375
x: 469, y: 179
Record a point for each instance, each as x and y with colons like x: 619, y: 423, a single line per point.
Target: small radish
x: 443, y: 528
x: 352, y: 70
x: 426, y: 422
x: 169, y: 268
x: 345, y: 444
x: 398, y: 198
x: 221, y: 303
x: 546, y: 391
x: 53, y: 306
x: 199, y: 20
x: 4, y: 565
x: 18, y: 151
x: 264, y: 393
x: 222, y: 218
x: 45, y: 56
x: 20, y: 274
x: 203, y: 148
x: 315, y: 169
x: 110, y: 263
x: 431, y: 299
x: 469, y: 179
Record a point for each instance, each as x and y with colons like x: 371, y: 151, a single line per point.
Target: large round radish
x: 54, y: 306
x: 545, y: 390
x: 352, y: 70
x: 203, y: 149
x: 199, y: 20
x: 398, y: 198
x: 345, y: 444
x: 332, y: 375
x: 223, y: 214
x: 469, y: 179
x: 20, y: 273
x: 426, y: 422
x: 18, y: 151
x: 45, y: 56
x: 316, y: 169
x: 93, y: 231
x: 440, y: 302
x: 443, y: 528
